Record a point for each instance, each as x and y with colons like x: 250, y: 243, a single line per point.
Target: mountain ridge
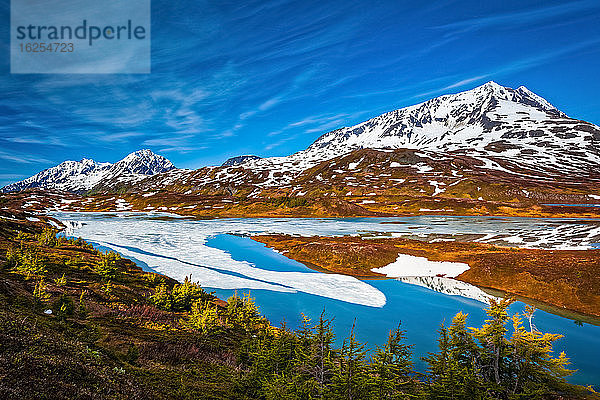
x: 81, y: 176
x: 503, y: 129
x: 488, y: 122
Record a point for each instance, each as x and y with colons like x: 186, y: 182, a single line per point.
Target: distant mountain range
x: 490, y: 129
x: 84, y: 175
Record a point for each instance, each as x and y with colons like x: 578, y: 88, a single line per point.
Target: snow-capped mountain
x: 469, y: 119
x: 491, y: 128
x: 489, y: 122
x: 80, y: 176
x: 141, y: 162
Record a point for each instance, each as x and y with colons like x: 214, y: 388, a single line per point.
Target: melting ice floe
x: 181, y: 251
x: 407, y: 265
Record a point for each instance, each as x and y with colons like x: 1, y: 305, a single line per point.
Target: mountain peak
x: 490, y: 88
x: 472, y: 119
x: 143, y: 162
x: 520, y: 95
x: 143, y: 153
x: 492, y: 85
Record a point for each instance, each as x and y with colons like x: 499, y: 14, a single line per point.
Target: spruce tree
x: 391, y: 367
x: 443, y: 370
x: 314, y: 358
x: 483, y: 363
x: 534, y: 371
x: 351, y: 379
x: 495, y: 346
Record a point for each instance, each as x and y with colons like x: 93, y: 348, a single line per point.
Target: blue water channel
x: 420, y: 311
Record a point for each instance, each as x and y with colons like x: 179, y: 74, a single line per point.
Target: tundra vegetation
x: 79, y: 323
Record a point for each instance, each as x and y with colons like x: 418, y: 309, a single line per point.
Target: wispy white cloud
x: 269, y: 104
x: 461, y: 83
x: 120, y: 137
x: 264, y: 106
x: 542, y: 58
x: 22, y: 158
x: 181, y: 149
x: 529, y: 16
x: 167, y: 140
x: 317, y: 123
x: 35, y: 140
x: 12, y: 176
x: 270, y: 146
x: 516, y: 66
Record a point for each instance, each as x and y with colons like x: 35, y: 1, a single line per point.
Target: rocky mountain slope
x: 233, y: 161
x: 497, y: 129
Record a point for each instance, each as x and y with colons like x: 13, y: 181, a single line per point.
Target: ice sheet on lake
x: 176, y: 246
x: 178, y: 249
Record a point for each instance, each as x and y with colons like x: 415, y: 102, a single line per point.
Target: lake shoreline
x: 564, y: 279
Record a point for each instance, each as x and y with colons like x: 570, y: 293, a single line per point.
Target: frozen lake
x: 221, y: 257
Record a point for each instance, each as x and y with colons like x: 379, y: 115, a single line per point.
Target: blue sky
x: 268, y: 77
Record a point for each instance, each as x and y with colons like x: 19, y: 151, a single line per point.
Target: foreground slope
x: 77, y: 323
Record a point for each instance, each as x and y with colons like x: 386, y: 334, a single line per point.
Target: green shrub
x: 132, y: 355
x: 62, y: 281
x: 29, y: 263
x: 203, y: 317
x: 22, y: 236
x: 48, y: 237
x: 12, y: 257
x: 289, y: 202
x: 107, y: 266
x: 108, y: 288
x: 180, y: 297
x: 39, y: 292
x: 81, y: 306
x: 79, y: 242
x: 161, y: 297
x: 152, y: 277
x: 63, y: 307
x: 489, y: 362
x: 242, y: 312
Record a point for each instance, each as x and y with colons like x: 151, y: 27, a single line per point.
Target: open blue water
x: 420, y: 310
